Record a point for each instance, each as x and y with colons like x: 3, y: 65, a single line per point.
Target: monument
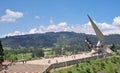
x: 99, y: 47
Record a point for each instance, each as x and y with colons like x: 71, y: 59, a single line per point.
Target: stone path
x: 38, y: 66
x: 25, y: 68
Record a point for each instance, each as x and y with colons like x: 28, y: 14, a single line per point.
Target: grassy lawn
x: 68, y: 52
x: 106, y: 65
x: 26, y: 56
x: 49, y: 52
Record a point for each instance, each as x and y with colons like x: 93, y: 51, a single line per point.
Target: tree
x: 1, y: 55
x: 57, y: 49
x: 38, y: 52
x: 113, y: 48
x: 7, y: 54
x: 33, y: 55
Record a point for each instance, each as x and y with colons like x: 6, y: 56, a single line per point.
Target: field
x: 105, y: 65
x: 26, y: 56
x: 48, y: 52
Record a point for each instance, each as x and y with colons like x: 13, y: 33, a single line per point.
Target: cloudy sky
x: 19, y: 17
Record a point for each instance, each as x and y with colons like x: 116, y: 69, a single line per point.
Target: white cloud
x: 62, y: 26
x: 32, y: 31
x: 116, y: 20
x: 79, y: 28
x: 14, y: 34
x: 37, y: 17
x: 11, y: 16
x: 51, y: 28
x: 51, y: 21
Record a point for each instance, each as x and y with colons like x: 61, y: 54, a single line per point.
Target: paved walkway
x: 50, y: 61
x: 25, y: 68
x: 38, y: 66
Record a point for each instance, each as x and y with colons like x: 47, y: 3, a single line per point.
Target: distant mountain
x: 51, y: 38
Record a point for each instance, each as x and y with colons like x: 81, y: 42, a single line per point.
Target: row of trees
x: 15, y: 54
x: 61, y: 50
x: 57, y: 50
x: 1, y: 56
x: 61, y: 38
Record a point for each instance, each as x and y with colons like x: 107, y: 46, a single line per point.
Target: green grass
x: 26, y: 56
x: 49, y: 52
x: 68, y: 52
x: 106, y: 65
x: 7, y: 48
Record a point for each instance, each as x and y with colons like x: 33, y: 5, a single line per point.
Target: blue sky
x: 19, y: 17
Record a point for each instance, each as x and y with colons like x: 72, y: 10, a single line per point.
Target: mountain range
x: 51, y: 39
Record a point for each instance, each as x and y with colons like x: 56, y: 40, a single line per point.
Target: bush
x: 77, y: 65
x: 69, y: 72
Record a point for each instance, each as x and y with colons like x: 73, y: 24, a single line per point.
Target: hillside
x: 104, y: 65
x: 50, y: 39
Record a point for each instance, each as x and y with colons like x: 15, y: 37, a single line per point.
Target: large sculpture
x: 99, y: 47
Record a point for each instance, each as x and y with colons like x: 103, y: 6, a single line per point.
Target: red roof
x: 6, y: 62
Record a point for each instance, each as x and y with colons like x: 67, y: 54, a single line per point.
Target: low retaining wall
x: 72, y: 62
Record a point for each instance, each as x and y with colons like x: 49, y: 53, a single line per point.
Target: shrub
x: 69, y: 72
